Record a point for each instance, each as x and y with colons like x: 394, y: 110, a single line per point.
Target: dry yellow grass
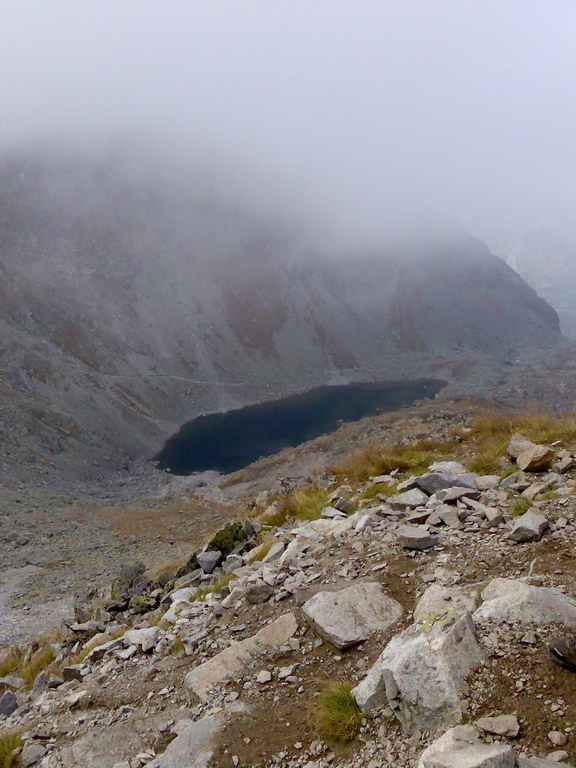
x: 34, y: 663
x: 10, y: 660
x: 374, y: 460
x: 259, y: 552
x: 10, y: 741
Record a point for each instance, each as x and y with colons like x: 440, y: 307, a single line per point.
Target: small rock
x: 264, y: 676
x: 415, y: 537
x: 502, y: 725
x: 558, y: 738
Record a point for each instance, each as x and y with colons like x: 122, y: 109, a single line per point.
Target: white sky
x: 362, y: 114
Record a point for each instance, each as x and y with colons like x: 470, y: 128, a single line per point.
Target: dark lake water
x: 232, y: 440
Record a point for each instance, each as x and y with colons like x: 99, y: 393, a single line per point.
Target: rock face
x: 128, y: 306
x: 514, y: 600
x: 350, y: 616
x: 420, y: 671
x: 234, y: 658
x: 461, y: 747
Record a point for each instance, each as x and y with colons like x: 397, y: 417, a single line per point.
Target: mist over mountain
x: 134, y: 298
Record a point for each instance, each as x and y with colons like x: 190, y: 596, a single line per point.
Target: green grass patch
x: 336, y: 713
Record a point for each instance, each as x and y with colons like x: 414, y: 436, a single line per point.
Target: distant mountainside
x: 131, y: 302
x: 547, y: 262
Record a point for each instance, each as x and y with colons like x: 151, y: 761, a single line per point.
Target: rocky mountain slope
x: 132, y: 299
x: 352, y: 619
x: 547, y: 261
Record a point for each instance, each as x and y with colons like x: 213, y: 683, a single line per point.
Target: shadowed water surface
x: 232, y: 440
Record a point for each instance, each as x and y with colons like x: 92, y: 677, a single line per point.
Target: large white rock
x: 460, y: 747
x: 232, y: 660
x: 420, y: 672
x: 515, y: 600
x: 349, y: 616
x: 437, y: 600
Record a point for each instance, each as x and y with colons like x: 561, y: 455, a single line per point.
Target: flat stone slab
x: 104, y: 747
x: 350, y: 616
x: 460, y: 747
x: 415, y: 537
x: 232, y: 660
x: 515, y: 600
x: 438, y: 600
x: 408, y: 500
x: 195, y: 744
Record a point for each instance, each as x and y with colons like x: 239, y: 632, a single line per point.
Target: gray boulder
x: 528, y: 527
x: 461, y: 747
x: 515, y: 600
x: 349, y: 616
x: 501, y: 725
x: 232, y: 660
x: 209, y: 560
x: 419, y: 673
x: 537, y: 762
x: 432, y: 482
x: 8, y: 703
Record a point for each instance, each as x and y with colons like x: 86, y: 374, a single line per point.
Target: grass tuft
x: 304, y: 503
x: 10, y: 741
x: 36, y: 662
x: 337, y: 715
x: 520, y: 506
